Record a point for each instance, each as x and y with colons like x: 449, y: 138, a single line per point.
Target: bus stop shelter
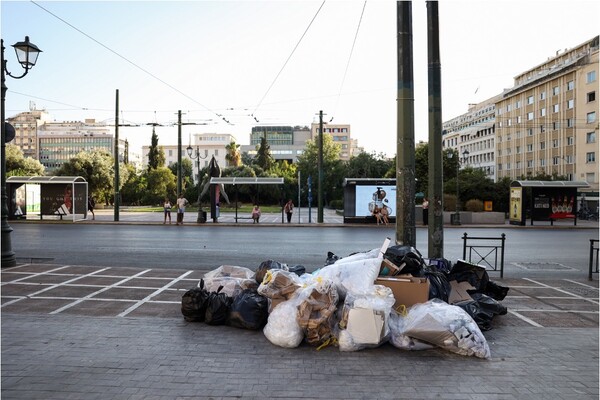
x: 237, y: 181
x: 547, y: 201
x: 39, y: 196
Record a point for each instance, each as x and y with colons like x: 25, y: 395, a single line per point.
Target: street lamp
x: 197, y: 157
x: 455, y: 218
x: 27, y: 54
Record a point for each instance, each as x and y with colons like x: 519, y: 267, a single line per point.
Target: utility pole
x: 406, y: 233
x: 320, y: 193
x: 117, y: 183
x: 179, y: 170
x: 435, y: 189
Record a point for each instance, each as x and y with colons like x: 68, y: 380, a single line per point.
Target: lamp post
x: 27, y: 54
x: 455, y: 218
x: 197, y: 157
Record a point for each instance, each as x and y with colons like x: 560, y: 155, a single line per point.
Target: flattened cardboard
x: 365, y: 325
x: 458, y: 292
x: 407, y: 290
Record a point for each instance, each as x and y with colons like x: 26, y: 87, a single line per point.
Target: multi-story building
x: 341, y: 135
x: 58, y: 142
x: 548, y: 121
x: 286, y: 143
x: 209, y: 145
x: 474, y: 132
x: 26, y: 130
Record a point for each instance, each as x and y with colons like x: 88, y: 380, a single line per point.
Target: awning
x: 569, y: 184
x: 247, y: 181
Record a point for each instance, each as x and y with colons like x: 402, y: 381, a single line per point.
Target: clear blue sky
x: 215, y: 59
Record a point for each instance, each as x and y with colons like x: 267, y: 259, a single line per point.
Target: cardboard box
x: 366, y: 325
x: 407, y: 290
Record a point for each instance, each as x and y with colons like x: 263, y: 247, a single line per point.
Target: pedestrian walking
x: 90, y: 205
x: 167, y: 207
x: 425, y: 211
x: 181, y: 204
x: 289, y: 210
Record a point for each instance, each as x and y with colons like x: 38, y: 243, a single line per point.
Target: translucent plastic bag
x: 230, y: 271
x: 279, y: 284
x: 365, y: 319
x: 267, y: 266
x: 316, y: 308
x: 231, y: 286
x: 282, y: 327
x: 399, y: 339
x: 355, y: 274
x: 446, y: 326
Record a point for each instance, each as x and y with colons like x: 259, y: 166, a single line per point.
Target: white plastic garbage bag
x: 282, y: 327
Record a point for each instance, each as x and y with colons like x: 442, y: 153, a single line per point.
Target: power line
x: 348, y: 63
x: 286, y: 61
x: 127, y: 60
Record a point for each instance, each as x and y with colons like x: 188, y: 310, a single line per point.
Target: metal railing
x: 593, y: 256
x: 482, y: 254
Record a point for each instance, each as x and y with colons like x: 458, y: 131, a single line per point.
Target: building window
x: 570, y: 85
x: 217, y: 152
x: 518, y: 104
x: 542, y: 162
x: 519, y: 119
x: 590, y: 137
x: 542, y: 145
x: 591, y: 77
x: 555, y: 160
x: 518, y: 165
x: 590, y: 157
x: 529, y: 148
x: 555, y: 126
x: 591, y: 117
x: 530, y: 100
x: 529, y: 116
x: 518, y: 149
x: 570, y: 123
x: 529, y: 131
x: 555, y: 108
x: 555, y: 91
x: 543, y: 96
x: 569, y: 159
x: 570, y: 104
x: 570, y: 141
x: 591, y: 96
x: 542, y: 112
x: 530, y: 164
x: 170, y: 153
x: 555, y: 142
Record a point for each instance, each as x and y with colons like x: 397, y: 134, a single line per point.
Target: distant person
x: 289, y: 210
x: 181, y: 204
x: 256, y: 214
x: 167, y: 207
x: 90, y: 205
x: 425, y: 211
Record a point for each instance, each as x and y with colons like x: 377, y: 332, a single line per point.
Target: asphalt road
x: 529, y: 252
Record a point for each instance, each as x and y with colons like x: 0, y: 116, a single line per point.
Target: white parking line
x: 145, y: 299
x: 97, y: 292
x: 30, y: 275
x: 524, y: 318
x: 562, y: 291
x: 582, y: 284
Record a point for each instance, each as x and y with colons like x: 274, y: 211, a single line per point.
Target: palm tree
x: 233, y: 156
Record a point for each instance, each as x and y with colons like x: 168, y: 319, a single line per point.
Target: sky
x: 228, y: 64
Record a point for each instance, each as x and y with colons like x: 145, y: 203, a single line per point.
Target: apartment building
x: 286, y: 143
x: 548, y: 121
x: 58, y: 142
x: 26, y: 126
x: 473, y: 134
x: 341, y: 134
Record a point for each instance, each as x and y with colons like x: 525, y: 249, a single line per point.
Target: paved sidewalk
x: 75, y: 332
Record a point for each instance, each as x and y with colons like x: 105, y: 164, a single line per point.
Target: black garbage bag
x: 331, y: 258
x: 442, y: 264
x: 407, y: 258
x: 475, y: 274
x: 482, y: 309
x: 298, y: 269
x: 496, y: 291
x: 217, y: 309
x: 265, y: 266
x: 194, y: 302
x: 439, y: 287
x: 249, y: 310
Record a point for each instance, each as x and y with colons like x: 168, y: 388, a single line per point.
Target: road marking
x: 582, y: 284
x: 67, y: 306
x: 553, y: 311
x: 53, y: 286
x: 30, y: 275
x: 524, y: 318
x: 145, y: 299
x: 562, y: 291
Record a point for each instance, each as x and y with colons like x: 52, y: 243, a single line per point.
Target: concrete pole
x: 179, y: 169
x: 117, y: 184
x: 435, y: 187
x: 320, y: 193
x: 405, y: 146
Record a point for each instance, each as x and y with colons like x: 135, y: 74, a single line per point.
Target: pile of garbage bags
x: 356, y: 302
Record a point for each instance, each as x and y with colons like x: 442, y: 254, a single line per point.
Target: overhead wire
x: 286, y: 61
x: 348, y: 63
x: 128, y: 61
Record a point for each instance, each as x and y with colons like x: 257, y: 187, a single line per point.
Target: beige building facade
x: 26, y: 126
x: 341, y: 135
x: 548, y: 121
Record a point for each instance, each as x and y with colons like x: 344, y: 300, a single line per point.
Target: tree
x: 18, y: 165
x: 233, y: 156
x: 97, y: 168
x: 160, y: 183
x: 156, y: 155
x: 133, y: 187
x: 187, y: 172
x: 368, y: 165
x: 333, y: 168
x: 263, y: 155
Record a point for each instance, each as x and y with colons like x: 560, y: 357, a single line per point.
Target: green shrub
x: 474, y: 205
x: 336, y: 204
